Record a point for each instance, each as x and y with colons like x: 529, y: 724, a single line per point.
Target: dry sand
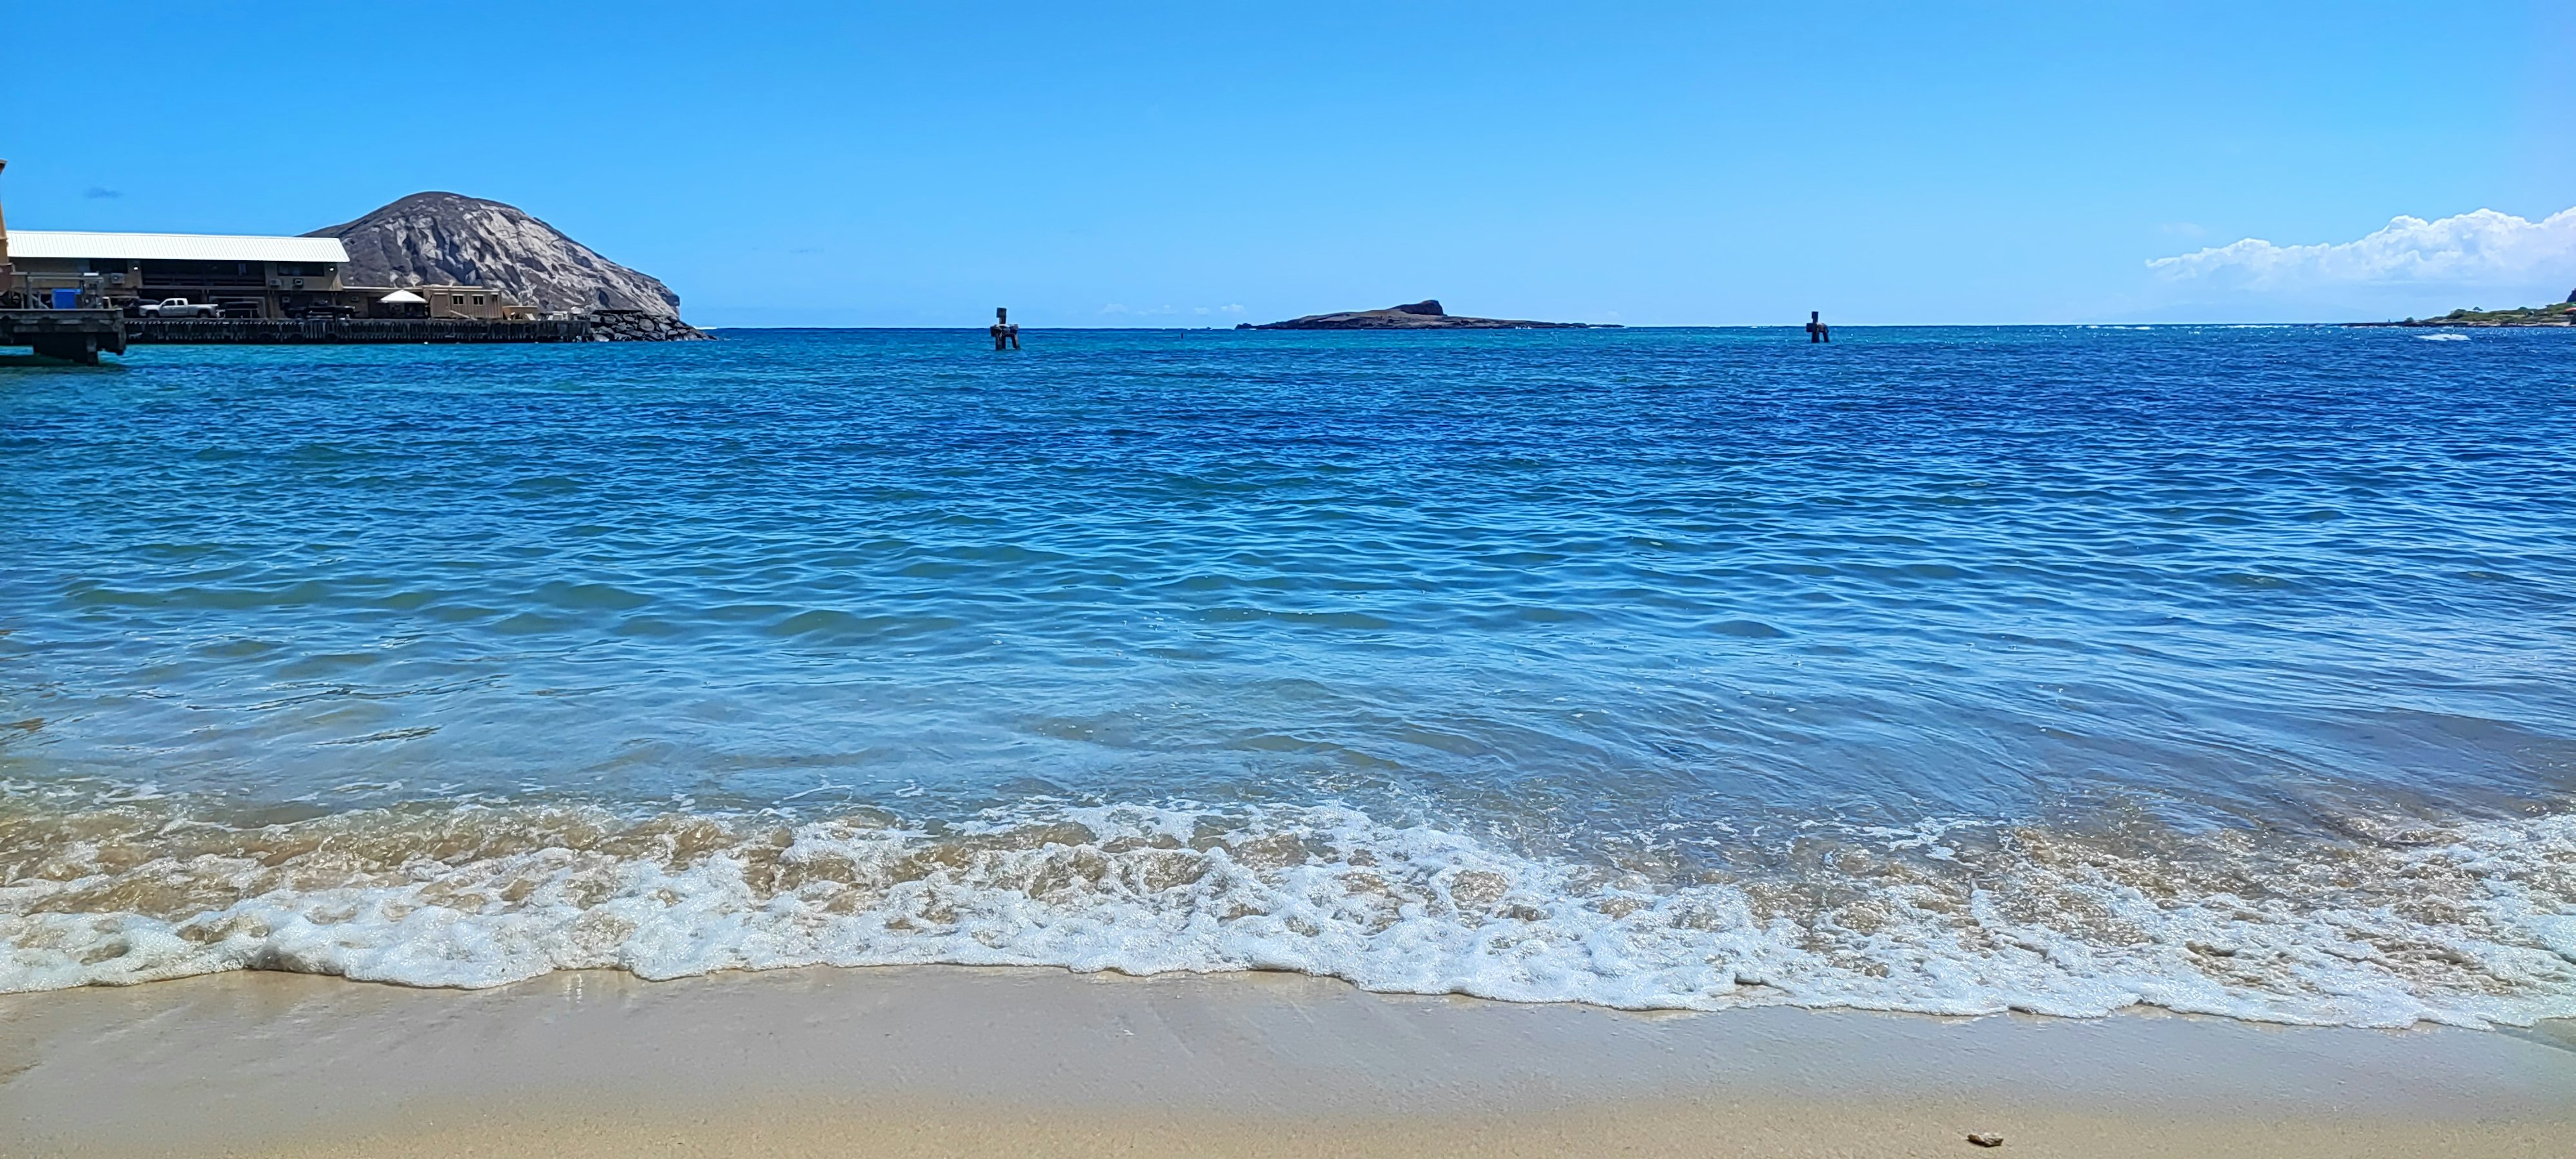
x: 949, y: 1061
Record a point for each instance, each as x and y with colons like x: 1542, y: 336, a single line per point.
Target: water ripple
x: 1649, y: 608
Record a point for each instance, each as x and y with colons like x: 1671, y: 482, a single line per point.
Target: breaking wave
x: 2473, y: 924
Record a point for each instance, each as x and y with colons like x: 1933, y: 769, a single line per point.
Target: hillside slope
x: 451, y: 239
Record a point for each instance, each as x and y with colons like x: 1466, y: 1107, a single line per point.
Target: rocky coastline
x: 2562, y: 314
x: 1423, y: 315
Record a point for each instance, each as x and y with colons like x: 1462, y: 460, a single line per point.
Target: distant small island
x: 2562, y: 314
x: 1422, y: 315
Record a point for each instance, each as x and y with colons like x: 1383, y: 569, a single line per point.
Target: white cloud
x: 2481, y: 248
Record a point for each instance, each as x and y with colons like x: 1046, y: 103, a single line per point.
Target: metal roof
x: 173, y: 247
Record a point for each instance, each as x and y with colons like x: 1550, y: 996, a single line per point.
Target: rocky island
x: 2562, y: 314
x: 1422, y: 315
x: 450, y: 239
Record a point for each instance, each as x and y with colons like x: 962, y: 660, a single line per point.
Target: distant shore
x: 1423, y: 315
x: 956, y: 1061
x: 2561, y: 314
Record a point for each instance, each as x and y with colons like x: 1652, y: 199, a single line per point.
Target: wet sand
x: 954, y: 1061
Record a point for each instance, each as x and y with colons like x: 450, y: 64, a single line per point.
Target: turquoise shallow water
x: 1949, y: 669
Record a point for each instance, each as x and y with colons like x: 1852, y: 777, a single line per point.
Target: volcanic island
x: 1422, y: 315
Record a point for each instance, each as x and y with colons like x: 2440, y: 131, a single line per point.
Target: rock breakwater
x: 639, y: 326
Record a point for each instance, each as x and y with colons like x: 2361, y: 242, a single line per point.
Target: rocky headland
x: 2562, y: 314
x: 451, y: 239
x: 1422, y: 315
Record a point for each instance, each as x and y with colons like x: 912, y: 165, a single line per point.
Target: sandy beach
x: 953, y: 1061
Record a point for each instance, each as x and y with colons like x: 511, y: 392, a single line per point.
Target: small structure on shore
x: 471, y: 302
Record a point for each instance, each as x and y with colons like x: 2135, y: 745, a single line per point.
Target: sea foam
x: 2474, y: 925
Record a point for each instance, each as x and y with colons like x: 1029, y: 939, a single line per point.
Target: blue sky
x: 1202, y: 164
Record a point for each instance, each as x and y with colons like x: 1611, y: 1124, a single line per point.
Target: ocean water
x: 2058, y: 670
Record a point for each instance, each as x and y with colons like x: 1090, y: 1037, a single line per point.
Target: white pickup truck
x: 176, y: 308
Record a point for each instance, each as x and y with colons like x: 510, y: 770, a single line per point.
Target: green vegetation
x: 2560, y: 314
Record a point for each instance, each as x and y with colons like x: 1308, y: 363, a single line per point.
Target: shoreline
x: 973, y: 1061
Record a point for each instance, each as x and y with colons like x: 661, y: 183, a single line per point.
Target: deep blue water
x: 1956, y: 669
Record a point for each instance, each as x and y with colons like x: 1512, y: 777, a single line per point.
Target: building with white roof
x: 266, y: 277
x: 200, y: 247
x: 242, y: 275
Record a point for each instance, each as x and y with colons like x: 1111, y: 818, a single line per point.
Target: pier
x: 322, y: 331
x: 83, y: 335
x: 73, y: 335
